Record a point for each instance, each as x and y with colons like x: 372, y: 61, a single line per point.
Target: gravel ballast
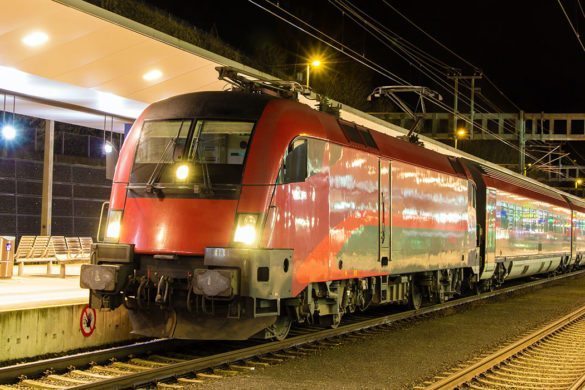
x: 407, y: 355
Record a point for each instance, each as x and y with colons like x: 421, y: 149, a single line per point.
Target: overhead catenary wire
x: 380, y: 31
x: 366, y: 61
x: 581, y: 8
x: 476, y: 68
x: 484, y: 98
x: 344, y: 49
x: 469, y: 63
x: 571, y: 24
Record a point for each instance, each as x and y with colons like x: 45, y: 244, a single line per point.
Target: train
x: 234, y: 215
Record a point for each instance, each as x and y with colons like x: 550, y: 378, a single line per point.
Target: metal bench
x: 55, y: 249
x: 34, y: 249
x: 86, y: 243
x: 71, y: 251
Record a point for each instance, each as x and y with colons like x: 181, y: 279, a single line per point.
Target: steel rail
x: 469, y: 373
x: 9, y: 373
x: 199, y: 364
x: 579, y: 384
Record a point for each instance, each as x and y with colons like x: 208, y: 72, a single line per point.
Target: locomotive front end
x: 180, y: 248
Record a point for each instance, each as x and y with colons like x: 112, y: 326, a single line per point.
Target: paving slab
x: 37, y: 290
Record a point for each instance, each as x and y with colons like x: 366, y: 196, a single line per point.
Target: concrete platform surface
x: 36, y: 289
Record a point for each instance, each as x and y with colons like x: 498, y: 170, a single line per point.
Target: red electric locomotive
x: 234, y: 214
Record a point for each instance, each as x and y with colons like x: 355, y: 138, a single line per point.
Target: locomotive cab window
x: 158, y: 137
x: 181, y: 153
x: 294, y: 169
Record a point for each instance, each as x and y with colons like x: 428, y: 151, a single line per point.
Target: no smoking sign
x: 87, y: 321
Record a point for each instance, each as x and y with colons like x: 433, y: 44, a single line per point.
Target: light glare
x: 245, y: 234
x: 113, y: 231
x: 246, y: 229
x: 152, y: 75
x: 182, y: 172
x: 108, y: 148
x: 316, y: 63
x: 8, y: 132
x: 35, y: 39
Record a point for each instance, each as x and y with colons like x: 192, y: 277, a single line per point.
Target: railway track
x: 174, y: 370
x: 551, y: 358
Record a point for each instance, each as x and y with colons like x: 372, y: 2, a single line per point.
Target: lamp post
x: 315, y: 63
x: 460, y: 133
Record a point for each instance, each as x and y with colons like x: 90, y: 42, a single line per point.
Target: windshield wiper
x: 158, y: 167
x: 205, y: 172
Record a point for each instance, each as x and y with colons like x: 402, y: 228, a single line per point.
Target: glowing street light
x: 8, y: 132
x: 578, y: 182
x: 460, y: 133
x: 315, y: 63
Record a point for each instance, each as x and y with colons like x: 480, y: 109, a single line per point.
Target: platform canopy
x: 70, y: 61
x: 73, y: 62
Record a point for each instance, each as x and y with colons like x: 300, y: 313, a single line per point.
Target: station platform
x: 45, y: 315
x: 36, y: 289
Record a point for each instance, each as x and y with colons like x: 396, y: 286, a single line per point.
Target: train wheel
x: 330, y: 320
x: 280, y: 328
x: 335, y: 320
x: 416, y: 297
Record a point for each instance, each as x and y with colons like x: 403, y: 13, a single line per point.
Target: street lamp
x: 315, y: 63
x: 578, y: 182
x: 460, y: 133
x: 8, y: 132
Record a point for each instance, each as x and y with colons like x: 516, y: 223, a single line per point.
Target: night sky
x: 526, y: 48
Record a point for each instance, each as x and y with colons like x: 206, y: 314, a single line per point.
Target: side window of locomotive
x: 316, y: 154
x: 295, y: 163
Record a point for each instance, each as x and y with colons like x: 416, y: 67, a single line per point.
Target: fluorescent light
x: 35, y: 39
x: 152, y: 75
x: 8, y: 132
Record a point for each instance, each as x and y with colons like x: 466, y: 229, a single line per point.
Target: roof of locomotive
x: 249, y: 106
x: 220, y: 104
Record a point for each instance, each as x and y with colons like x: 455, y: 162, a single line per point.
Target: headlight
x: 182, y: 172
x: 114, y: 225
x: 246, y: 232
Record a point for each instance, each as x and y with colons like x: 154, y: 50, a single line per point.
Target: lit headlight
x: 114, y: 225
x: 246, y: 231
x: 182, y: 172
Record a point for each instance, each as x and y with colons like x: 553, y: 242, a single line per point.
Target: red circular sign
x: 87, y: 321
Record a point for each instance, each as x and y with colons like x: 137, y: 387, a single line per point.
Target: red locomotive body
x: 233, y: 215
